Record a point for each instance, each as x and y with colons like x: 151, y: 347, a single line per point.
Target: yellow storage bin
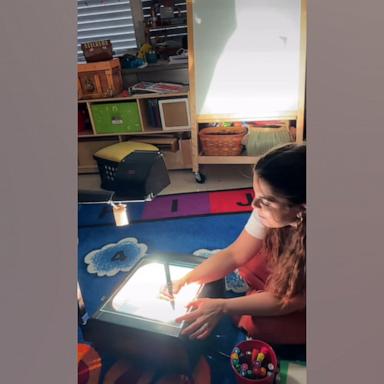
x: 117, y: 152
x: 108, y: 159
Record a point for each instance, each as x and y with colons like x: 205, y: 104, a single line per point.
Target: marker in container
x: 260, y: 356
x: 255, y: 352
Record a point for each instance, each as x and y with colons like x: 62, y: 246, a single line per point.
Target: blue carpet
x: 182, y: 235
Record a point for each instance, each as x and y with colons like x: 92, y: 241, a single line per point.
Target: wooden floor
x: 218, y: 177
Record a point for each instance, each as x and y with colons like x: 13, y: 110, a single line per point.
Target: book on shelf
x: 156, y: 111
x: 153, y: 113
x: 150, y: 114
x: 147, y: 86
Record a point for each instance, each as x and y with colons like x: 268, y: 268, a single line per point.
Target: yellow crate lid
x: 117, y: 152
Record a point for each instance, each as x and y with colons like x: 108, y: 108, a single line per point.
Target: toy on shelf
x: 94, y: 51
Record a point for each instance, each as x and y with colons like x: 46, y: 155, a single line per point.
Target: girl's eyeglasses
x: 270, y: 203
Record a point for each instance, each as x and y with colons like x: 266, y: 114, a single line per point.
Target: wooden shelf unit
x: 241, y: 159
x: 91, y: 141
x: 148, y: 132
x: 151, y: 95
x: 198, y: 116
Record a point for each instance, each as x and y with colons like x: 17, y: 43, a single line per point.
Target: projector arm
x: 103, y: 197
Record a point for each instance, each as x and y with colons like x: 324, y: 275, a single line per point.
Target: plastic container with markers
x: 254, y: 361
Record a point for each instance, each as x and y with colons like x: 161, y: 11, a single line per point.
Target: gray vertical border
x: 345, y: 111
x: 38, y: 191
x: 38, y: 220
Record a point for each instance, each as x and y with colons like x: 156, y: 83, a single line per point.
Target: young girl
x: 270, y: 255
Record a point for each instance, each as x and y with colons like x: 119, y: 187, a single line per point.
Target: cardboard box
x: 181, y: 159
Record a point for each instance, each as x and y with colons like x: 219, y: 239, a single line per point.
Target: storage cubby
x: 150, y: 115
x: 120, y: 118
x: 84, y: 126
x: 174, y: 113
x: 181, y: 158
x: 86, y: 149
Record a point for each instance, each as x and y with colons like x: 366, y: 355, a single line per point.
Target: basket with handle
x: 222, y: 141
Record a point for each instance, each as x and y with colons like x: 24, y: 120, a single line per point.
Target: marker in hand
x: 169, y: 284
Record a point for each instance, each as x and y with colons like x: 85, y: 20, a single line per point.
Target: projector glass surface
x: 140, y: 295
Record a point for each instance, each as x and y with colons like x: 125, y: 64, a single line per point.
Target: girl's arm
x: 225, y: 261
x: 207, y: 312
x: 262, y: 304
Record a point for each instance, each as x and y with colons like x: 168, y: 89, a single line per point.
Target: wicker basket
x: 261, y: 139
x: 222, y: 141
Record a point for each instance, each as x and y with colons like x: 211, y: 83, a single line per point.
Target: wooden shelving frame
x: 298, y: 115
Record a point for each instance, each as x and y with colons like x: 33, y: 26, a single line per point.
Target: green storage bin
x: 116, y: 117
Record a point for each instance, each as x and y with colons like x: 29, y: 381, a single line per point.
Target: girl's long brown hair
x: 284, y: 169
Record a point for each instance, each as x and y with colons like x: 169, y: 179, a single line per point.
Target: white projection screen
x: 246, y: 57
x: 140, y: 295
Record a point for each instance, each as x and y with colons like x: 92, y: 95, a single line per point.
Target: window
x: 105, y: 20
x: 172, y: 29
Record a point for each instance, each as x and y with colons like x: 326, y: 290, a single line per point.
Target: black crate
x: 139, y: 175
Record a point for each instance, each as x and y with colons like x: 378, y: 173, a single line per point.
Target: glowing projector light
x: 135, y: 322
x: 140, y: 295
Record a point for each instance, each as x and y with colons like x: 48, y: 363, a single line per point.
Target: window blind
x: 170, y: 31
x: 105, y: 20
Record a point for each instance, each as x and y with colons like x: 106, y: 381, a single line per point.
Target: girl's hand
x: 203, y: 318
x: 176, y: 286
